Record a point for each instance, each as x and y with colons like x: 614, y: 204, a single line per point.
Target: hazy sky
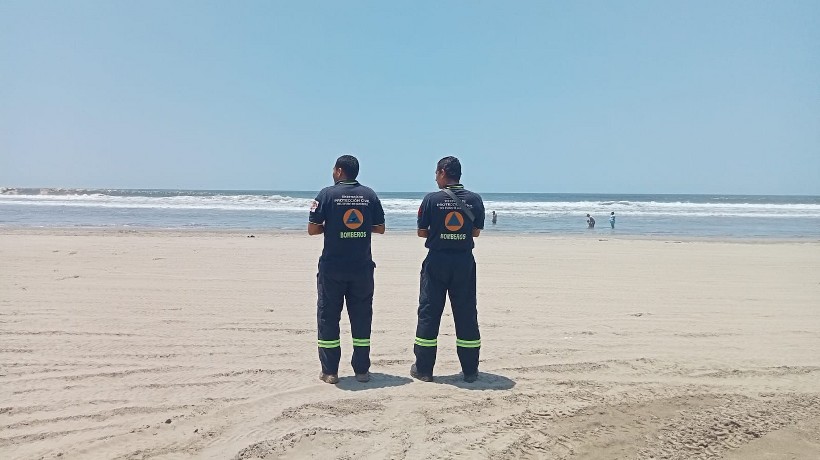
x: 545, y: 96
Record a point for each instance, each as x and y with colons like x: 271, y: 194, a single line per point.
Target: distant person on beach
x: 347, y: 213
x: 449, y: 220
x: 495, y: 218
x: 612, y: 219
x: 590, y: 221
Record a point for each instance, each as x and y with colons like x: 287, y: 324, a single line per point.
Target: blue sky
x: 546, y: 96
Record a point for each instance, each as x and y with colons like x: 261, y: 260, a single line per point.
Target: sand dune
x: 160, y: 344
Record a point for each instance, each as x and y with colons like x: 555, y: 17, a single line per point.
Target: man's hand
x: 476, y: 232
x: 378, y: 229
x: 315, y: 229
x: 423, y: 233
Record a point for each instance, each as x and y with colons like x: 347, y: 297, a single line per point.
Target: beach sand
x: 163, y: 344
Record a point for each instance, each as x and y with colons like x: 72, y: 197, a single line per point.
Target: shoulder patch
x: 314, y: 206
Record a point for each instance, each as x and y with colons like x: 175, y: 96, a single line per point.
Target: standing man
x: 449, y: 220
x: 590, y: 221
x: 347, y: 213
x: 612, y: 219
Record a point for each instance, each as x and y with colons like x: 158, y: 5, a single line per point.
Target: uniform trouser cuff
x: 361, y: 359
x: 425, y: 359
x: 329, y: 359
x: 468, y: 357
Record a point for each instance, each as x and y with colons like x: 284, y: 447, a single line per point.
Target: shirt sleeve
x: 424, y: 214
x: 378, y: 212
x: 318, y: 209
x: 478, y: 212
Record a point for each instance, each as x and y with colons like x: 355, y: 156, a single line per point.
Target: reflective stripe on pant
x: 444, y: 273
x: 334, y: 290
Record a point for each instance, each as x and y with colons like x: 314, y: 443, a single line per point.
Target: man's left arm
x: 423, y: 221
x: 315, y: 229
x: 316, y: 219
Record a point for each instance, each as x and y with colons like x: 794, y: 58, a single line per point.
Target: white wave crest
x: 406, y: 206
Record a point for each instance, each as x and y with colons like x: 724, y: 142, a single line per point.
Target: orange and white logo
x: 353, y: 219
x: 454, y: 221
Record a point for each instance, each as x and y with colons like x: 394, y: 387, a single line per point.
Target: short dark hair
x: 349, y: 164
x: 451, y: 167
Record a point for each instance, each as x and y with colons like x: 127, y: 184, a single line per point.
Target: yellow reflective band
x: 361, y: 342
x: 329, y: 343
x: 426, y: 342
x: 468, y: 343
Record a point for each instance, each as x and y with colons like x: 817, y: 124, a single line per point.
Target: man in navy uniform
x: 347, y: 213
x: 449, y: 220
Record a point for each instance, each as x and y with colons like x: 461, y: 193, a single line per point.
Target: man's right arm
x: 378, y: 216
x: 478, y: 223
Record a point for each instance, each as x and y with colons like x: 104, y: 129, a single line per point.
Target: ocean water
x: 731, y: 216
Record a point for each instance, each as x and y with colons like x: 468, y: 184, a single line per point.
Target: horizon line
x: 4, y: 189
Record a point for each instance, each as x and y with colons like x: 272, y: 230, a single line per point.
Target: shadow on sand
x: 486, y: 381
x: 377, y: 380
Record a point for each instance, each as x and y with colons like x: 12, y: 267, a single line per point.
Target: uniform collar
x: 454, y: 186
x: 347, y: 182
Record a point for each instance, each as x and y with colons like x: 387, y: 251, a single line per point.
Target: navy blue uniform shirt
x: 450, y: 229
x: 348, y: 211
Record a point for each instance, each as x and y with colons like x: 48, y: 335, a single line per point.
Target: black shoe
x: 329, y: 378
x: 415, y: 374
x: 363, y: 377
x: 470, y: 378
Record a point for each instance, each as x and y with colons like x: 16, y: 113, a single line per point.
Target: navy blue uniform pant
x: 335, y: 288
x: 454, y: 274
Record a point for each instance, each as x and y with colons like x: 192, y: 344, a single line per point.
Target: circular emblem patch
x: 353, y: 219
x: 454, y: 221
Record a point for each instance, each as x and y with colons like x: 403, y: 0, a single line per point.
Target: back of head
x: 349, y: 165
x: 451, y: 167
